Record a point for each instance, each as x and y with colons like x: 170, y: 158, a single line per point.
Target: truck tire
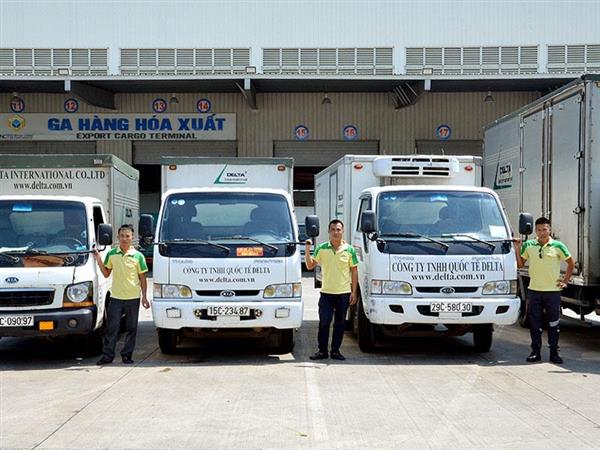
x: 523, y: 319
x: 286, y: 341
x: 167, y: 340
x: 482, y: 337
x: 366, y: 331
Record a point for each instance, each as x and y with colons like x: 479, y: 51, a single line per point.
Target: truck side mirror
x: 312, y: 226
x: 146, y: 227
x: 368, y: 222
x: 525, y: 223
x: 104, y: 234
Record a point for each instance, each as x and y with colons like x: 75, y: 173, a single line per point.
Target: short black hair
x: 126, y: 226
x: 335, y: 222
x: 542, y: 221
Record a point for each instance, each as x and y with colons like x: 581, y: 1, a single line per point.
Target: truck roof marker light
x: 281, y: 168
x: 468, y: 167
x: 358, y: 166
x: 172, y: 166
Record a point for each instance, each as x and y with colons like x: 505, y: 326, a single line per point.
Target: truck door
x: 565, y: 169
x: 532, y: 131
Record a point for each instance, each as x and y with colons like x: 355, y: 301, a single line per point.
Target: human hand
x: 145, y: 303
x: 353, y: 299
x: 561, y: 284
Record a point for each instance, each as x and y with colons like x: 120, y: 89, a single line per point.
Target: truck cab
x: 227, y: 258
x: 49, y: 283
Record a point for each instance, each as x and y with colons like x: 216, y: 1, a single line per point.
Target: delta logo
x: 16, y: 123
x: 231, y: 176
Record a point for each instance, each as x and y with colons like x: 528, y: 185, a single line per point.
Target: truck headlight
x: 79, y: 294
x: 283, y: 290
x: 172, y: 291
x: 500, y: 287
x: 388, y: 287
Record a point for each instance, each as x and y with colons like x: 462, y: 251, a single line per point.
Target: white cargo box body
x: 544, y: 159
x: 104, y: 177
x: 198, y: 172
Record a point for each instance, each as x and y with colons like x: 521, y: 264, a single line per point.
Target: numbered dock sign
x: 203, y: 105
x: 301, y: 133
x: 350, y: 133
x: 71, y: 105
x: 159, y: 105
x: 17, y: 104
x: 443, y: 132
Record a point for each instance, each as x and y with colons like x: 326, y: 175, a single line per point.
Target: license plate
x: 16, y: 321
x: 451, y: 307
x: 228, y: 311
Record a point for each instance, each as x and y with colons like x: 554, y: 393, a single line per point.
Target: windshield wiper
x: 489, y: 244
x: 195, y: 241
x: 416, y: 235
x: 241, y: 238
x: 11, y: 258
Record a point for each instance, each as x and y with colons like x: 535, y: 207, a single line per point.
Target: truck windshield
x: 217, y: 216
x: 468, y: 218
x: 42, y: 226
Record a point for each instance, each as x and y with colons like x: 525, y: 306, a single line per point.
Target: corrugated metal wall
x: 279, y: 113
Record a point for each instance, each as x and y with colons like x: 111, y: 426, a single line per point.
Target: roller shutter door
x: 148, y: 152
x: 463, y: 147
x: 322, y: 153
x: 44, y: 147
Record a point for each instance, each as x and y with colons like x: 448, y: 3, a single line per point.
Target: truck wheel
x: 523, y: 319
x: 167, y: 340
x: 286, y: 341
x: 366, y: 331
x: 482, y: 337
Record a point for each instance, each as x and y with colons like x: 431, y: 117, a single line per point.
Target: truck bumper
x: 64, y: 322
x: 399, y: 311
x: 176, y: 314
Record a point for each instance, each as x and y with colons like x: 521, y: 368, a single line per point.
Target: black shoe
x: 535, y: 356
x: 555, y: 357
x: 318, y: 355
x: 103, y: 361
x: 127, y: 360
x: 338, y: 356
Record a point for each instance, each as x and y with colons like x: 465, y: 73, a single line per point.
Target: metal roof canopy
x: 100, y: 90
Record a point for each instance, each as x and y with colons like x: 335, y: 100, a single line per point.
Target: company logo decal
x: 447, y: 290
x: 227, y: 294
x: 11, y: 280
x: 16, y: 123
x: 232, y: 176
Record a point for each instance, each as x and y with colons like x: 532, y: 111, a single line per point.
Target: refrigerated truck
x: 53, y: 210
x: 226, y: 258
x: 434, y: 248
x: 544, y: 159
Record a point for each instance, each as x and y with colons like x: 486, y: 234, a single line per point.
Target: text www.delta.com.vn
x: 448, y: 277
x: 42, y: 185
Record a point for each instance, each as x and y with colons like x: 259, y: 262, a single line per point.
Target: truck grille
x: 238, y: 293
x: 11, y: 297
x: 436, y: 289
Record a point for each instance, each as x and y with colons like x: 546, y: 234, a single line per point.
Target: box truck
x: 434, y: 249
x: 53, y: 210
x: 544, y: 159
x: 226, y: 258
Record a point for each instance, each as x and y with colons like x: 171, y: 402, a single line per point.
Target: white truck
x: 53, y: 209
x: 434, y: 249
x: 544, y: 160
x: 226, y: 256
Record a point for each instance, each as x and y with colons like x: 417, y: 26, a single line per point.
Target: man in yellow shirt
x: 544, y: 255
x: 340, y: 280
x: 129, y: 268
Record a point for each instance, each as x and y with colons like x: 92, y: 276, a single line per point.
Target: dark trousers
x: 116, y: 309
x: 537, y: 302
x: 332, y: 306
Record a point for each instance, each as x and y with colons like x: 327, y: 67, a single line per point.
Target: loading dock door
x: 322, y: 153
x: 45, y: 147
x: 460, y: 147
x: 150, y: 152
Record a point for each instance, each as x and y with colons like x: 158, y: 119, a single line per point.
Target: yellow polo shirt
x: 126, y: 268
x: 544, y: 263
x: 335, y: 265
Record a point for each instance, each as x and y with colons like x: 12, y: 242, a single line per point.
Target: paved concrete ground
x: 432, y: 393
